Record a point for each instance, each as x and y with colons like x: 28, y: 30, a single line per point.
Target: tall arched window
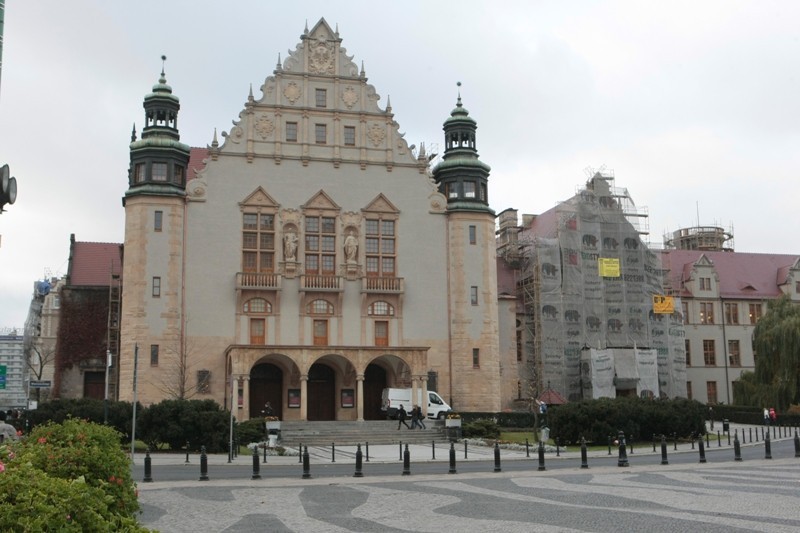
x: 258, y: 326
x: 320, y: 308
x: 380, y: 308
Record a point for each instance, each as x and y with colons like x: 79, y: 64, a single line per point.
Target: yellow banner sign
x: 664, y: 305
x: 608, y: 267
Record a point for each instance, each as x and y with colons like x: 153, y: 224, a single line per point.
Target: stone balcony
x: 382, y: 285
x: 258, y: 281
x: 321, y: 283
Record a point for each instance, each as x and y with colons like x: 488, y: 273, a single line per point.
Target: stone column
x: 414, y: 389
x: 245, y: 399
x: 360, y: 397
x: 424, y: 383
x: 304, y: 397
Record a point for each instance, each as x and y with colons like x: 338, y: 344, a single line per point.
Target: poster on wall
x: 348, y: 397
x: 294, y: 398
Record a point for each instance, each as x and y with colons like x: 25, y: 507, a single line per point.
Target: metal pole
x: 541, y: 456
x: 406, y: 462
x: 148, y: 478
x: 767, y: 448
x: 230, y: 442
x: 737, y: 449
x: 203, y: 464
x: 433, y: 450
x: 358, y: 472
x: 796, y: 444
x: 306, y: 464
x: 333, y: 452
x: 702, y: 449
x: 664, y: 460
x: 465, y: 449
x: 367, y: 451
x: 527, y: 449
x: 497, y: 457
x: 105, y: 398
x: 452, y: 459
x: 256, y: 469
x: 584, y: 458
x: 133, y: 421
x: 623, y: 456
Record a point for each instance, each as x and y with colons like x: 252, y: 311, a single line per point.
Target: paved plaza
x: 756, y: 494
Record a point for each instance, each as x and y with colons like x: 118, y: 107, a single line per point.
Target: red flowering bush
x: 67, y: 465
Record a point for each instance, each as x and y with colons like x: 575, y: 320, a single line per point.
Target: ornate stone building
x: 310, y: 259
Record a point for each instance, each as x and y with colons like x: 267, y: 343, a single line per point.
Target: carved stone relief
x: 292, y: 92
x: 320, y: 57
x: 376, y: 134
x: 349, y: 97
x: 264, y: 126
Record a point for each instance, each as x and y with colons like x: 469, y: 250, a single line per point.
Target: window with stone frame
x: 158, y: 221
x: 705, y: 284
x: 731, y: 313
x: 156, y: 290
x: 711, y: 391
x: 159, y: 172
x: 734, y: 353
x: 380, y: 308
x: 321, y: 133
x: 380, y: 244
x: 689, y: 390
x: 291, y: 132
x: 709, y: 353
x: 381, y: 333
x: 204, y: 381
x: 321, y: 97
x: 154, y: 354
x: 755, y: 313
x: 349, y: 135
x: 320, y: 245
x: 258, y: 242
x: 706, y: 312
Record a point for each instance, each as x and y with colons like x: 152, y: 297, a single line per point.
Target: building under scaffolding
x: 585, y: 282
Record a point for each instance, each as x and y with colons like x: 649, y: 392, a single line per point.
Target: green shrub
x: 250, y: 431
x: 120, y: 414
x: 481, y: 429
x: 176, y: 422
x: 31, y: 500
x: 77, y: 449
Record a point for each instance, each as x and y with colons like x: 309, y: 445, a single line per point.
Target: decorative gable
x: 322, y: 202
x: 381, y: 204
x: 259, y: 198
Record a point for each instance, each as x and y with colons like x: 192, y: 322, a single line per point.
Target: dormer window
x: 469, y: 189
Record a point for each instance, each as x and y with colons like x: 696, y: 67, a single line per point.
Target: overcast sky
x: 693, y: 105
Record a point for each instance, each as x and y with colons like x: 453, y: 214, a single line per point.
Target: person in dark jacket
x: 401, y: 417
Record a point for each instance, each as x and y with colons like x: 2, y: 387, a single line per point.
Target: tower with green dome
x: 472, y: 269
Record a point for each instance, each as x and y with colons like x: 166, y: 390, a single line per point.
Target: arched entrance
x: 321, y: 392
x: 266, y: 385
x: 374, y: 383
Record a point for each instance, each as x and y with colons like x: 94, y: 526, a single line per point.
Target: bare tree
x: 37, y: 360
x: 180, y: 362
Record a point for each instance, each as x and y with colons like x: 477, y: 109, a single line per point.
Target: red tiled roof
x: 93, y: 263
x: 551, y: 397
x: 197, y: 157
x: 741, y: 275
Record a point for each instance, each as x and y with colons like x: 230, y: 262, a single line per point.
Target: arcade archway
x: 374, y: 383
x: 266, y: 385
x: 321, y: 392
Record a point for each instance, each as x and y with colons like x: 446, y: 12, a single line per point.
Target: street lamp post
x: 105, y: 397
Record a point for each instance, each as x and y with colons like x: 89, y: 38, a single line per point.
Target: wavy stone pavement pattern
x: 763, y: 496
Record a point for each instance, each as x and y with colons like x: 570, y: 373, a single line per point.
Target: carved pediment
x: 321, y: 201
x: 259, y: 198
x: 703, y: 261
x: 381, y: 204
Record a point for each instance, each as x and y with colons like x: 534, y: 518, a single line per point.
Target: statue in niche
x: 290, y: 246
x: 350, y: 247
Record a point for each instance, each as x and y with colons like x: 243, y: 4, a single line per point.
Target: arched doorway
x: 374, y: 383
x: 266, y: 385
x: 321, y: 392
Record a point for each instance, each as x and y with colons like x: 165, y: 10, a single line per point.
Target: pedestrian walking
x: 401, y: 417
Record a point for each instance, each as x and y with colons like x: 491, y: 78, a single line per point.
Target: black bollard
x: 751, y: 435
x: 541, y: 456
x: 401, y: 451
x: 300, y: 453
x: 737, y: 449
x: 609, y: 445
x: 433, y: 450
x: 767, y: 448
x: 406, y: 462
x: 558, y: 454
x: 707, y: 437
x: 796, y: 444
x: 333, y: 452
x: 584, y: 458
x: 691, y: 437
x: 664, y: 460
x: 630, y: 447
x: 465, y: 449
x: 187, y: 452
x: 256, y: 467
x: 773, y: 432
x: 702, y: 450
x: 306, y: 464
x: 729, y: 438
x: 762, y: 432
x: 497, y: 457
x: 675, y: 442
x: 527, y: 449
x: 452, y: 458
x: 719, y: 440
x: 654, y: 442
x: 148, y: 477
x: 265, y: 453
x: 623, y: 456
x: 367, y: 451
x: 358, y: 473
x: 203, y: 464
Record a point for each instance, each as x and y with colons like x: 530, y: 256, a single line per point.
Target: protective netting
x: 581, y: 310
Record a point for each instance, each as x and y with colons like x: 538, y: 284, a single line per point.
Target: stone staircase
x: 348, y: 433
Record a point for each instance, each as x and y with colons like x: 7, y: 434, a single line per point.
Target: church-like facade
x: 309, y: 258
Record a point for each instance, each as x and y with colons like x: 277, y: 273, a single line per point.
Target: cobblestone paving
x: 751, y: 496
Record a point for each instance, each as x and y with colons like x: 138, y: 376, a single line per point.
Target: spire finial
x: 163, y: 64
x: 278, y: 66
x: 363, y: 73
x: 250, y: 96
x: 215, y: 142
x: 388, y: 103
x: 458, y: 84
x: 133, y: 133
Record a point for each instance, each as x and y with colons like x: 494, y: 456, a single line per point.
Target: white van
x: 392, y: 399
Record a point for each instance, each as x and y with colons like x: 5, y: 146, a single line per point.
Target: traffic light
x: 8, y: 187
